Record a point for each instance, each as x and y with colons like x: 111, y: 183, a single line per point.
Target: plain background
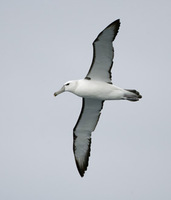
x: 45, y: 43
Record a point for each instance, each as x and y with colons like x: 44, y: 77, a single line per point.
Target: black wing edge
x: 82, y: 169
x: 94, y: 52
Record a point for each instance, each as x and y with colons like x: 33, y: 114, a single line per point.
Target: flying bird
x: 94, y: 89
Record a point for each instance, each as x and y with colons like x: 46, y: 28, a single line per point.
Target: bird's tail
x: 132, y: 95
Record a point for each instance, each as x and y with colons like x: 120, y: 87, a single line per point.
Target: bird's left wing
x: 86, y: 124
x: 103, y: 53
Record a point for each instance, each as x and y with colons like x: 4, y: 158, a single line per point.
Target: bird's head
x: 69, y: 86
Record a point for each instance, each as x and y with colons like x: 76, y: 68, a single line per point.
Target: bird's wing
x: 103, y: 54
x: 85, y: 125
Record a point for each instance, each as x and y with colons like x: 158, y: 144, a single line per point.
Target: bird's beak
x: 60, y: 91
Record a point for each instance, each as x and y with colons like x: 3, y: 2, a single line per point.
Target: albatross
x: 94, y: 89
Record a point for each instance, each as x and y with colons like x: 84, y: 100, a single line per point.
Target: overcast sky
x: 45, y: 43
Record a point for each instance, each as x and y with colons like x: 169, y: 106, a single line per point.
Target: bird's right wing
x: 86, y: 124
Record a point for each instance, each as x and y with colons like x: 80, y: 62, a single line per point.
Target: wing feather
x: 86, y: 124
x: 103, y: 53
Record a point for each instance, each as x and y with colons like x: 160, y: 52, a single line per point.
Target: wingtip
x: 82, y: 166
x: 118, y: 20
x: 80, y: 169
x: 115, y: 24
x: 81, y: 173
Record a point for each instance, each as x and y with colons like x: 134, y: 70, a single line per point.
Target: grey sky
x: 46, y: 43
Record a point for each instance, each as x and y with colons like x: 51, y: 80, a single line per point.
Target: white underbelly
x: 99, y: 90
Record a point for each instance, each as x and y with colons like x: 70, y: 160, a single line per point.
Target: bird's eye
x: 67, y: 84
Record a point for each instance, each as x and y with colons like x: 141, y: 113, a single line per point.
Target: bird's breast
x: 98, y: 90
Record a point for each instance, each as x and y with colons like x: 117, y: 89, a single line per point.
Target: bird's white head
x: 69, y: 86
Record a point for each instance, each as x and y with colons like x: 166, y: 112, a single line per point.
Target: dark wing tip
x: 82, y: 168
x: 116, y: 25
x: 116, y: 22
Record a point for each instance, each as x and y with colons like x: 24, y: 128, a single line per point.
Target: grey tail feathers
x: 133, y: 95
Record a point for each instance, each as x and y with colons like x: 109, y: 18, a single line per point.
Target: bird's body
x: 101, y: 90
x: 94, y: 89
